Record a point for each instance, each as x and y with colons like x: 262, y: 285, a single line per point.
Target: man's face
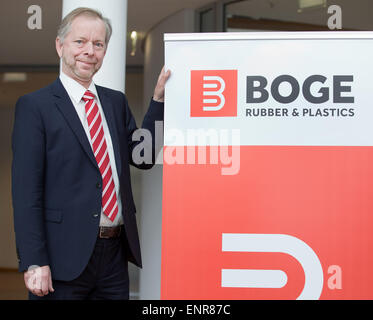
x: 83, y: 48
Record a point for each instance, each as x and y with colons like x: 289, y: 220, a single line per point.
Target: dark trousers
x: 105, y: 277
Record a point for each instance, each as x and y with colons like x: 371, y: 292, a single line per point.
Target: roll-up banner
x: 268, y: 166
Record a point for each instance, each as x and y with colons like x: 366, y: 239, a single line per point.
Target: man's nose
x: 89, y: 50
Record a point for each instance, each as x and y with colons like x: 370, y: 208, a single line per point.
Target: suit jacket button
x: 95, y: 215
x: 98, y: 185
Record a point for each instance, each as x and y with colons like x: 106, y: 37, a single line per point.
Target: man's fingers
x: 159, y: 89
x: 50, y: 284
x: 37, y: 286
x: 165, y: 75
x: 45, y: 284
x: 38, y: 293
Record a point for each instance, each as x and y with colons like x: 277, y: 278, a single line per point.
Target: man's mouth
x: 87, y: 63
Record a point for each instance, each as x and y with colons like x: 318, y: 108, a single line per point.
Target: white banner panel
x: 316, y: 90
x: 268, y: 175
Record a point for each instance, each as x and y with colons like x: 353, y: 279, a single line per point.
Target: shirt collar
x: 75, y: 89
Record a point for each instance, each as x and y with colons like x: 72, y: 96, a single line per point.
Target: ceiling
x: 22, y: 46
x: 144, y: 14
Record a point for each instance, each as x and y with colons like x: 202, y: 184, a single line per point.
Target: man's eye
x: 99, y: 44
x: 79, y: 41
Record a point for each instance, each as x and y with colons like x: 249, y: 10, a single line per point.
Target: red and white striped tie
x: 96, y: 130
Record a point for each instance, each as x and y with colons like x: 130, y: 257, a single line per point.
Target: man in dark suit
x: 72, y: 143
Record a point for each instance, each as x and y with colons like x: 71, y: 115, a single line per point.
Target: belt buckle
x: 101, y: 235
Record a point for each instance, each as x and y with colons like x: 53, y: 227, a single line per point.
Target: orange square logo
x: 213, y: 93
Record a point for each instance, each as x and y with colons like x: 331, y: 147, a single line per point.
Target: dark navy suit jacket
x: 56, y: 182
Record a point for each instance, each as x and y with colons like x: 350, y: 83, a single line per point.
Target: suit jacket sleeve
x: 28, y: 144
x: 147, y: 142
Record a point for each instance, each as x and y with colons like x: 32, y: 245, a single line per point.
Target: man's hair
x: 65, y: 25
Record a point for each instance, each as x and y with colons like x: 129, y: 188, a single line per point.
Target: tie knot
x: 88, y: 95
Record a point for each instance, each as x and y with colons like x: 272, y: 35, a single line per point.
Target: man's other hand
x: 38, y: 280
x: 159, y: 88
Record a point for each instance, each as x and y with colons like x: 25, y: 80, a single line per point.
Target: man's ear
x: 59, y: 46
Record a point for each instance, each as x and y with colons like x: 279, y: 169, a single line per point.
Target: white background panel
x: 270, y: 57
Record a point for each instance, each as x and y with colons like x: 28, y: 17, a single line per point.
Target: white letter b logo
x: 244, y: 242
x: 211, y: 82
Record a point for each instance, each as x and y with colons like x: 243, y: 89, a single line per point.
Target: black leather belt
x: 110, y: 232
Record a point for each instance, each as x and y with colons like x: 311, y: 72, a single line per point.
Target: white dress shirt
x: 76, y: 91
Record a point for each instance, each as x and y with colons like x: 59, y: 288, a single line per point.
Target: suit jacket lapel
x: 66, y: 107
x: 110, y: 119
